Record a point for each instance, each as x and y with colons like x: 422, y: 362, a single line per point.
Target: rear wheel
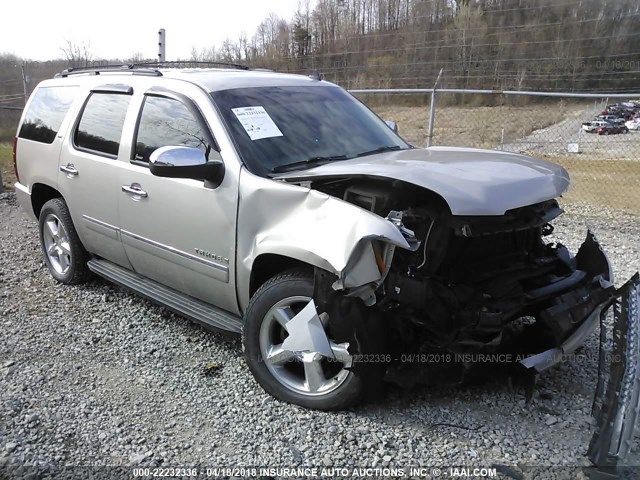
x: 63, y: 252
x: 328, y: 378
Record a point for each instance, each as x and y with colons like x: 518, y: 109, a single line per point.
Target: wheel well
x: 41, y: 194
x: 269, y: 265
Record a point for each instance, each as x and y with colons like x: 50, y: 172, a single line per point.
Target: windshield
x: 307, y: 126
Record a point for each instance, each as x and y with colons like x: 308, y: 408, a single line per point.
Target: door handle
x: 69, y: 169
x: 134, y: 189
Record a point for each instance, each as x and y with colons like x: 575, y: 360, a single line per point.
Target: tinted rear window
x: 47, y: 109
x: 100, y: 126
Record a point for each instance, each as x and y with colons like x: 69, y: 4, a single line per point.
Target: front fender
x: 310, y: 226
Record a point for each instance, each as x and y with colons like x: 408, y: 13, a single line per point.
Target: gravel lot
x: 93, y: 375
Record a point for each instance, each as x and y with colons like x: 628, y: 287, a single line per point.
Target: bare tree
x: 77, y: 54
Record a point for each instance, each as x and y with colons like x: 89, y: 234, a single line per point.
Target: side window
x: 100, y: 126
x: 165, y: 121
x: 47, y: 109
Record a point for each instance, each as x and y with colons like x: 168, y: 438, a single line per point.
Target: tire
x: 63, y: 252
x: 340, y: 382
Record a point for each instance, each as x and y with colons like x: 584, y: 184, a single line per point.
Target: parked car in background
x: 611, y: 129
x: 591, y: 127
x: 614, y: 119
x: 633, y: 124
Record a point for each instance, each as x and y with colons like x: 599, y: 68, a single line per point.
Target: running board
x: 189, y: 307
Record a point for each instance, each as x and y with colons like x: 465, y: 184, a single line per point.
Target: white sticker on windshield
x: 257, y: 122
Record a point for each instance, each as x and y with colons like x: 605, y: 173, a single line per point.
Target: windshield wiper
x: 310, y: 162
x: 380, y: 150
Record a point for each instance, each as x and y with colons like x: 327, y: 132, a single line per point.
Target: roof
x: 215, y: 79
x: 211, y: 79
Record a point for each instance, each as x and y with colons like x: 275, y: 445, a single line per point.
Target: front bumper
x: 553, y: 356
x: 577, y: 311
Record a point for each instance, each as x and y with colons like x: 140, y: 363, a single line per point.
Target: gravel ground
x: 93, y: 375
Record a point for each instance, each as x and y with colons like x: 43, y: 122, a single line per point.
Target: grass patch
x: 6, y: 166
x: 613, y: 183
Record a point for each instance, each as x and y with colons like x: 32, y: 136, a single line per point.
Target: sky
x: 37, y: 29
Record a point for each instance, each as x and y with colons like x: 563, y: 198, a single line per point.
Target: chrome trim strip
x: 174, y: 250
x: 100, y: 222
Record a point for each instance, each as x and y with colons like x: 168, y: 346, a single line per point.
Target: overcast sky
x: 37, y: 29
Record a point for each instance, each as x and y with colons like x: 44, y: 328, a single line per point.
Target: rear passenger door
x: 179, y: 232
x: 89, y: 177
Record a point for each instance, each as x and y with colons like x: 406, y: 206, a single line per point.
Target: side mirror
x: 392, y: 125
x: 186, y: 162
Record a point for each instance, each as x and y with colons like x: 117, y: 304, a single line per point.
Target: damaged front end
x: 492, y: 285
x: 468, y: 289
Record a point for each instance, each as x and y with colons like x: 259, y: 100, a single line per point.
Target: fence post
x: 432, y: 114
x: 24, y: 83
x: 1, y: 186
x: 432, y: 111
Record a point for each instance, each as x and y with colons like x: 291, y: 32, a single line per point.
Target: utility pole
x: 24, y: 83
x: 161, y: 45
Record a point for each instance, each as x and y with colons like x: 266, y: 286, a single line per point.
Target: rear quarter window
x: 46, y: 112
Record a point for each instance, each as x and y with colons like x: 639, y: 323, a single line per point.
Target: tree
x: 77, y: 54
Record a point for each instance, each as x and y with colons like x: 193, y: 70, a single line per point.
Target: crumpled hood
x: 472, y: 181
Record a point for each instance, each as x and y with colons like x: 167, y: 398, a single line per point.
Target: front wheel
x: 310, y: 363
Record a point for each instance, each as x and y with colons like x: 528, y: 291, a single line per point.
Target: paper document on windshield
x: 257, y: 122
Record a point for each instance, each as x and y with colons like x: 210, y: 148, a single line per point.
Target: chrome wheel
x: 56, y: 244
x: 307, y: 372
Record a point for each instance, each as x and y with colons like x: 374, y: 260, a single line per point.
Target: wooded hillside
x: 561, y: 45
x: 575, y: 45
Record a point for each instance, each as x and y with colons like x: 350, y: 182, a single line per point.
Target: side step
x: 189, y: 307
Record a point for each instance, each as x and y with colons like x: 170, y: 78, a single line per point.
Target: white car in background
x: 633, y: 124
x: 592, y: 127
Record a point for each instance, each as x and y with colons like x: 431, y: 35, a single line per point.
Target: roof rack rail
x: 188, y: 63
x: 98, y: 69
x: 145, y: 68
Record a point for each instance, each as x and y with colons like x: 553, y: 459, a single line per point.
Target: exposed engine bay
x: 478, y: 283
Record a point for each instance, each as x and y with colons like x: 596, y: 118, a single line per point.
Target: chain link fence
x: 604, y: 165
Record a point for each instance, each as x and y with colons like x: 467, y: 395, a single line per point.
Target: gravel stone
x: 138, y: 459
x: 93, y: 374
x: 10, y: 447
x: 550, y: 420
